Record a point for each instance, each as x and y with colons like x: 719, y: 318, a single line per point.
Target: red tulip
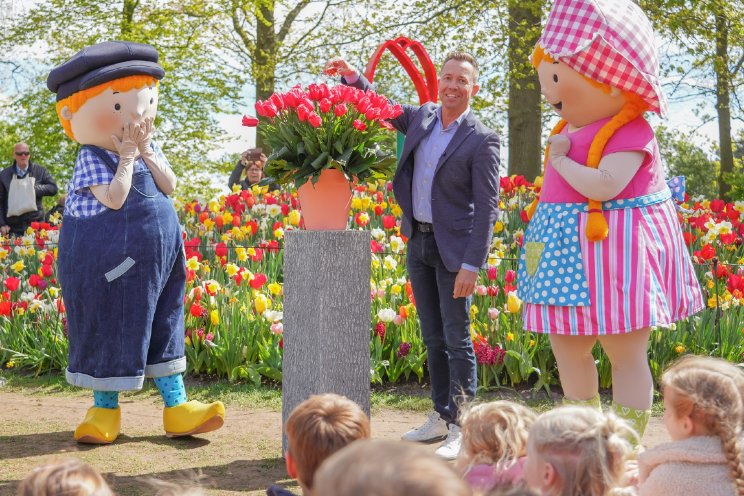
x: 314, y: 120
x: 250, y: 121
x: 11, y: 283
x: 197, y: 310
x: 359, y: 125
x: 340, y: 109
x: 258, y: 281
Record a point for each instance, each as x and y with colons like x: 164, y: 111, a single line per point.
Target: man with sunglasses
x: 43, y: 185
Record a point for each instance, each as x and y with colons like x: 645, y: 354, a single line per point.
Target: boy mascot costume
x: 603, y: 257
x: 121, y: 260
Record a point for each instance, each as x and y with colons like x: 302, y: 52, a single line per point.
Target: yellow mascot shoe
x: 193, y: 417
x: 100, y: 426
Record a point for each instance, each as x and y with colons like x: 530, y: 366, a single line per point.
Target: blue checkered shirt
x: 91, y: 171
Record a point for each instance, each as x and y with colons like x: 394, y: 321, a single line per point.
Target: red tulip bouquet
x: 324, y: 127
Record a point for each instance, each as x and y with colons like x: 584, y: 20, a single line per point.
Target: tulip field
x: 233, y: 303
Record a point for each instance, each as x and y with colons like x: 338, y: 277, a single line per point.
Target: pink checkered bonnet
x: 609, y: 41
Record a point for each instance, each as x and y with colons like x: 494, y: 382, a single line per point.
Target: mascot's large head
x: 104, y: 87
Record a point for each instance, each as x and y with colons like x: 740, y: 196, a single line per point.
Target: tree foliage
x: 194, y: 89
x: 706, y: 59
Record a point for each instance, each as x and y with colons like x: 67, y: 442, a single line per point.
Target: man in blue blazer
x: 447, y: 185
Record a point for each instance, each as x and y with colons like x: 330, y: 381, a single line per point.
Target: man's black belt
x: 425, y: 227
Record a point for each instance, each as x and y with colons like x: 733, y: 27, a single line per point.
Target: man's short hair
x: 463, y: 57
x: 320, y: 426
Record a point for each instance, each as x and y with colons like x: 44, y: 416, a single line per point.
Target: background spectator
x: 249, y: 170
x: 18, y: 183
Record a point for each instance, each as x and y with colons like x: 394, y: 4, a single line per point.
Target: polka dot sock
x: 171, y: 389
x: 106, y: 399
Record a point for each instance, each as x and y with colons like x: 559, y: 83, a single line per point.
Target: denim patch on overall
x: 123, y: 277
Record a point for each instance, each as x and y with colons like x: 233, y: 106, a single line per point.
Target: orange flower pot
x: 325, y: 205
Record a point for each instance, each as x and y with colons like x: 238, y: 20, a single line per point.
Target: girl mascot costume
x: 603, y: 257
x: 121, y: 260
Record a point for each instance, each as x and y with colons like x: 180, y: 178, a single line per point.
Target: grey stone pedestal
x: 326, y: 316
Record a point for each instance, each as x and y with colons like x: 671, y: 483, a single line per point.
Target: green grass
x: 405, y: 397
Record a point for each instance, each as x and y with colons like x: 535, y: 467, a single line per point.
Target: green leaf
x: 322, y: 160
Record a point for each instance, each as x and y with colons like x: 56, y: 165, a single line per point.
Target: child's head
x: 494, y: 432
x: 388, y: 468
x: 317, y: 428
x: 703, y: 396
x: 576, y: 450
x: 68, y: 478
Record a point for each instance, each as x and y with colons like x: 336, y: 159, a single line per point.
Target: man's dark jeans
x: 445, y: 326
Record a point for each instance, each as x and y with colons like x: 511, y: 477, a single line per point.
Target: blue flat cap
x: 103, y: 62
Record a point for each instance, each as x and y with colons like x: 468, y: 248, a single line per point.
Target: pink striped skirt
x: 641, y: 275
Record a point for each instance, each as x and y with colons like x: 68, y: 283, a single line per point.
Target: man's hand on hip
x: 464, y: 283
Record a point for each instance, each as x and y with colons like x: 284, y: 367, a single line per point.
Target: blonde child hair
x: 711, y: 392
x: 494, y: 433
x: 320, y: 426
x: 388, y: 468
x: 64, y: 478
x: 586, y: 448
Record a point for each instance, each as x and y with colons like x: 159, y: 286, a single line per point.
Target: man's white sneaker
x: 451, y: 446
x: 434, y: 429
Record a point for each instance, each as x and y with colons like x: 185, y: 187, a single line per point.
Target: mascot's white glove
x: 603, y: 183
x: 114, y: 194
x: 145, y: 144
x: 161, y: 172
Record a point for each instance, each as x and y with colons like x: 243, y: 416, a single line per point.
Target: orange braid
x: 596, y: 226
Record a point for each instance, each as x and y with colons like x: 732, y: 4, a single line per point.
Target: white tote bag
x: 21, y: 196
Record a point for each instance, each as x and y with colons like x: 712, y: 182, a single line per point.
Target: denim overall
x: 123, y: 276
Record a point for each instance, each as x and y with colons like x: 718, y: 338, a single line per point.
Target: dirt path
x: 244, y: 457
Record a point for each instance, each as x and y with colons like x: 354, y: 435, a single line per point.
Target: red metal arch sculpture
x: 426, y: 85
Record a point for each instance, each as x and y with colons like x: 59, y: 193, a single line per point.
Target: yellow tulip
x: 294, y: 217
x: 214, y: 317
x: 261, y: 303
x: 274, y: 288
x: 231, y: 269
x: 513, y: 303
x: 192, y: 263
x: 498, y: 227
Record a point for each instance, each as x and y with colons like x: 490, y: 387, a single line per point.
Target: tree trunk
x: 127, y: 17
x: 264, y: 58
x: 524, y: 109
x: 723, y: 100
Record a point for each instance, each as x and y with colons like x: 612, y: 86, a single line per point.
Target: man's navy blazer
x: 465, y: 189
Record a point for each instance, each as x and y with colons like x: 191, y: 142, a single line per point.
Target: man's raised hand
x: 338, y: 66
